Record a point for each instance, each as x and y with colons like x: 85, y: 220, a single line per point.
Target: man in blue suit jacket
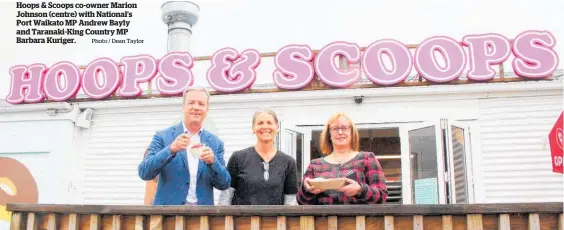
x: 184, y: 178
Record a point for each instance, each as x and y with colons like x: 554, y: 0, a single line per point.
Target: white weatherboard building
x: 495, y: 148
x: 464, y: 143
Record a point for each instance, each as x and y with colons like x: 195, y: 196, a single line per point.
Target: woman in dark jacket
x: 261, y: 174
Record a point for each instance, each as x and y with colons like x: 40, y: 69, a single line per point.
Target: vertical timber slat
x: 560, y: 222
x: 447, y: 222
x: 332, y: 222
x: 95, y: 221
x: 139, y: 222
x: 156, y: 222
x: 504, y: 222
x: 229, y: 223
x: 179, y: 223
x: 389, y: 222
x: 418, y: 222
x: 534, y: 222
x: 281, y: 223
x: 116, y: 222
x: 360, y: 222
x: 204, y: 223
x: 74, y: 222
x: 255, y: 222
x: 474, y: 222
x: 33, y: 221
x: 47, y: 219
x: 307, y: 223
x: 16, y: 222
x: 51, y: 221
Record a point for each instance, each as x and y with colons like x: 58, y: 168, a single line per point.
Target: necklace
x: 267, y: 155
x: 340, y: 161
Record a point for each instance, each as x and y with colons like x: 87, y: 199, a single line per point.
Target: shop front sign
x: 296, y: 66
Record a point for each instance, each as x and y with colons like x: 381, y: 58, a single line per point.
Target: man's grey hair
x: 195, y: 88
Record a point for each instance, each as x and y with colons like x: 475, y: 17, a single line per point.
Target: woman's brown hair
x: 325, y: 138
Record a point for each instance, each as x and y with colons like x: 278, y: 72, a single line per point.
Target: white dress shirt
x: 192, y: 166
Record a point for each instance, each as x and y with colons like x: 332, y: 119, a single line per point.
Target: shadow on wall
x: 17, y: 185
x: 151, y: 185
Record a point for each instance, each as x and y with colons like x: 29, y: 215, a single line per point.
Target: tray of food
x: 327, y: 183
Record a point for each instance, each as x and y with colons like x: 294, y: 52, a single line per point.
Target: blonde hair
x: 325, y: 138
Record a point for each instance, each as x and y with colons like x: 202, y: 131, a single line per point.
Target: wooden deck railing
x: 473, y: 216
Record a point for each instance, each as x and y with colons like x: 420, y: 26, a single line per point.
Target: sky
x: 268, y: 25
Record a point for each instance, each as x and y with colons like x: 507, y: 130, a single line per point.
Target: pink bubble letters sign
x: 296, y: 66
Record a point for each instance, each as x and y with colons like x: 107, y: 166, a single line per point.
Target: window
x: 295, y: 141
x: 424, y: 163
x: 439, y: 163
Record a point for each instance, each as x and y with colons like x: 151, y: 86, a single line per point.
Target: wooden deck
x: 473, y: 216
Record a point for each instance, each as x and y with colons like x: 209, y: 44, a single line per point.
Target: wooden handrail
x: 310, y: 210
x: 360, y: 217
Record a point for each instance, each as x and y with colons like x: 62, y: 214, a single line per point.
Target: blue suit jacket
x: 174, y: 176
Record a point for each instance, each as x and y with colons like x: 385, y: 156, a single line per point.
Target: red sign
x: 295, y: 67
x: 555, y: 138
